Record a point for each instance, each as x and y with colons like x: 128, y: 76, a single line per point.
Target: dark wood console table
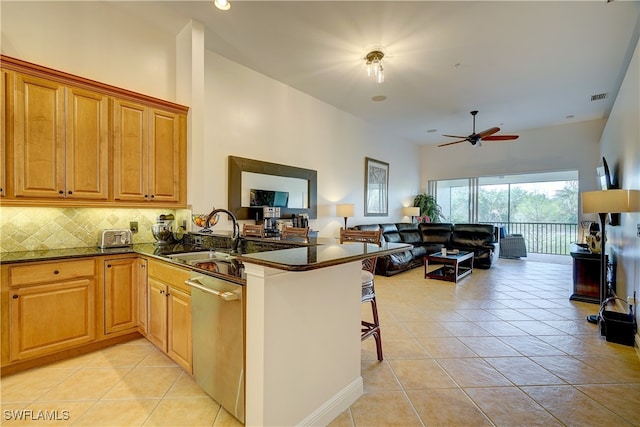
x: 586, y: 275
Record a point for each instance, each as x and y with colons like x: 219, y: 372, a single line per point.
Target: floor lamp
x: 603, y: 203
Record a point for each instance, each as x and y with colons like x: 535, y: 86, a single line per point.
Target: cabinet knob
x: 56, y: 272
x: 108, y: 265
x: 69, y: 192
x: 153, y: 195
x: 162, y: 292
x: 60, y: 192
x: 15, y: 297
x: 168, y: 294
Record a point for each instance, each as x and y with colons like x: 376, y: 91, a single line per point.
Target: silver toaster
x: 115, y: 238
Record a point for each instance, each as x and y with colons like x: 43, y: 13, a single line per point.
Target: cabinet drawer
x: 47, y: 272
x: 175, y: 276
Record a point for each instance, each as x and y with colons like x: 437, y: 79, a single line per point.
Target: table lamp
x: 411, y: 211
x: 603, y: 203
x: 345, y: 210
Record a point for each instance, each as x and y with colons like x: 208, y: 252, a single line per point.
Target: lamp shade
x: 411, y: 211
x: 345, y: 210
x: 611, y: 201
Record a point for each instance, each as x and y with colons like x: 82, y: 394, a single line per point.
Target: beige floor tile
x: 86, y: 384
x: 421, y: 374
x: 523, y: 371
x: 184, y: 411
x: 624, y: 365
x: 119, y: 356
x: 384, y: 408
x: 342, y: 420
x: 145, y: 383
x: 427, y: 330
x: 47, y: 414
x: 185, y: 386
x: 622, y: 399
x: 378, y: 376
x: 489, y: 347
x: 509, y: 406
x: 157, y: 358
x: 464, y: 329
x: 446, y: 407
x: 573, y: 370
x: 532, y: 346
x: 403, y: 349
x: 473, y: 372
x: 30, y: 385
x: 446, y: 347
x: 118, y: 413
x: 572, y: 407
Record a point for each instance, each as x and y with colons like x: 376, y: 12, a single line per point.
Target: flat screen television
x: 276, y: 199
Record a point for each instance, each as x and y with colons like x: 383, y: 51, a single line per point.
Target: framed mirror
x: 294, y: 189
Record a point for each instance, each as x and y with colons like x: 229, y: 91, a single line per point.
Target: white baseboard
x: 333, y: 407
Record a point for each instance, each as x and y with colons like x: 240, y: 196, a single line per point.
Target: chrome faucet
x: 235, y: 238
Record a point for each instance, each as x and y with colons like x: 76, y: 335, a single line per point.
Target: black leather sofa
x: 428, y: 238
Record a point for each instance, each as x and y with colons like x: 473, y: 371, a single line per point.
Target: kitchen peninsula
x: 302, y: 322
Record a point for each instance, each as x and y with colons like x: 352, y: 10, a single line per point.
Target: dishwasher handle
x: 226, y: 296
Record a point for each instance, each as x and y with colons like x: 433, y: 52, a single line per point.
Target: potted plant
x: 428, y: 208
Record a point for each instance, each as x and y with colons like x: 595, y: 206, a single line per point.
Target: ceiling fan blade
x: 455, y: 136
x: 451, y: 143
x: 487, y: 132
x: 500, y: 137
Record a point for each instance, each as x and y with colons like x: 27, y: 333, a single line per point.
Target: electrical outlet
x: 133, y: 226
x: 638, y: 230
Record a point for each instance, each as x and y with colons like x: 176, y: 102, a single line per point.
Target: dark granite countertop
x: 285, y: 254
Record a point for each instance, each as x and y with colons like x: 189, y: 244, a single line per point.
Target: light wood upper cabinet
x: 149, y: 149
x: 60, y: 141
x: 7, y: 131
x: 71, y: 141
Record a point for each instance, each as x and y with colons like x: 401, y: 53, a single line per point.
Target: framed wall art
x: 376, y: 187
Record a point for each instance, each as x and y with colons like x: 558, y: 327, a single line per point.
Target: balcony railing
x: 544, y: 237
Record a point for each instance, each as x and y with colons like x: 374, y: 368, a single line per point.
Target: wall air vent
x: 598, y: 96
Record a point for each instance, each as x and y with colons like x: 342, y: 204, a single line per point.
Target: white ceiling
x: 522, y: 64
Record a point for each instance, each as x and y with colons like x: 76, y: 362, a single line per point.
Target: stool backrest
x: 253, y: 230
x: 295, y: 232
x: 363, y: 236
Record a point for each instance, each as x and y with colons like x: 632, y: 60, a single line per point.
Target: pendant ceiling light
x: 222, y: 4
x: 374, y: 65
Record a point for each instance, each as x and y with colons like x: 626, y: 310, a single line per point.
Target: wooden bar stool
x: 368, y: 290
x: 253, y: 230
x: 295, y: 232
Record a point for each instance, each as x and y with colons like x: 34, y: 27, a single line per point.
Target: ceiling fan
x: 476, y: 138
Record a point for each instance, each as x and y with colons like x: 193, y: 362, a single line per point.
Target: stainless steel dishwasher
x: 217, y: 313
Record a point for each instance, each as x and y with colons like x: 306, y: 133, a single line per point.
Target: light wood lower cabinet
x: 143, y: 296
x: 169, y: 326
x: 51, y: 307
x: 120, y: 295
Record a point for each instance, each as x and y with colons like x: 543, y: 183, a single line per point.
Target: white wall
x: 250, y: 115
x: 621, y: 148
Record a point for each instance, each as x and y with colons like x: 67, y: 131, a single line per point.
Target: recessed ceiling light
x: 432, y: 130
x: 379, y: 98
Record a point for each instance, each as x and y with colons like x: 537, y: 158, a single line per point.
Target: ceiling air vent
x: 598, y: 96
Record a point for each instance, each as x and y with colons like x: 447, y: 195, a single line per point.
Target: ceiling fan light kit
x: 374, y: 65
x: 477, y: 138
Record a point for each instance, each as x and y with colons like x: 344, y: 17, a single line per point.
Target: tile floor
x: 502, y: 347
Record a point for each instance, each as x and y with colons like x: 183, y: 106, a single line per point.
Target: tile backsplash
x: 25, y: 229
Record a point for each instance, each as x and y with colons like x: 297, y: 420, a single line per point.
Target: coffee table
x: 454, y: 268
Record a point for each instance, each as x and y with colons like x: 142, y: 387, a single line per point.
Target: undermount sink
x: 195, y: 257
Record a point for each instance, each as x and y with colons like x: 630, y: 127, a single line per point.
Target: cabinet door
x: 157, y: 324
x: 164, y: 156
x: 120, y: 295
x: 48, y: 318
x: 4, y: 129
x: 130, y: 151
x: 142, y: 296
x: 38, y: 138
x: 86, y: 145
x: 179, y: 328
